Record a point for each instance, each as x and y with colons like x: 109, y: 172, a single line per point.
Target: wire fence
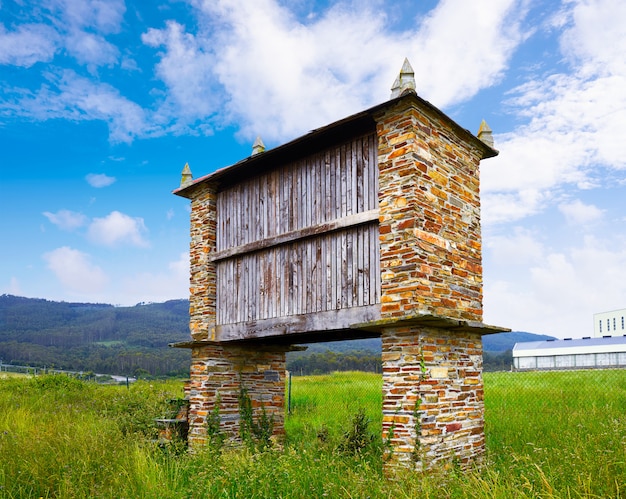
x: 523, y: 406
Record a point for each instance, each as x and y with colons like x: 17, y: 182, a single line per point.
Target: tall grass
x: 322, y: 405
x: 549, y: 435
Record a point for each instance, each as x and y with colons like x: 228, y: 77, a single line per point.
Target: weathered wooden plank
x: 360, y: 266
x: 332, y: 320
x: 375, y: 278
x: 352, y: 179
x: 302, y: 238
x: 342, y: 223
x: 317, y: 277
x: 360, y: 176
x: 344, y: 181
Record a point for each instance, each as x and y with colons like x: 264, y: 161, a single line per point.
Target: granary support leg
x: 432, y: 397
x: 219, y: 372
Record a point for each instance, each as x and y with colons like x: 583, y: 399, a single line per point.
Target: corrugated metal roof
x: 605, y: 344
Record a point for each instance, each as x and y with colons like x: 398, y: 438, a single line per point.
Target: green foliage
x: 357, y: 438
x: 305, y: 363
x: 501, y: 361
x: 416, y: 455
x: 214, y: 433
x: 95, y: 337
x: 549, y: 435
x: 255, y: 434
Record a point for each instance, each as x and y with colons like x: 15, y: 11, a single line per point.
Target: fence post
x: 289, y: 394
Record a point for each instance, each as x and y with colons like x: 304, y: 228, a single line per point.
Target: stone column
x: 430, y: 242
x: 219, y: 371
x: 202, y: 284
x: 431, y: 286
x: 432, y: 397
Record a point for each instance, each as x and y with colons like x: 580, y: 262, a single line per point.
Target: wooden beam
x: 304, y: 323
x: 287, y: 237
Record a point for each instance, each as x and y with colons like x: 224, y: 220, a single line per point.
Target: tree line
x: 125, y: 340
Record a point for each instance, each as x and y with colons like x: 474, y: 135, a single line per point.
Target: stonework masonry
x: 218, y: 372
x: 202, y: 287
x: 430, y: 253
x: 432, y: 397
x: 430, y: 243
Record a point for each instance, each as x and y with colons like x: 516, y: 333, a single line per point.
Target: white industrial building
x: 585, y: 353
x: 607, y: 349
x: 609, y: 323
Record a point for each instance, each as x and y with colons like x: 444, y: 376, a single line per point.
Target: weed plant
x: 549, y: 435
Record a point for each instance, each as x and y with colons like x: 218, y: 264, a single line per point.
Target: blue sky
x: 104, y: 101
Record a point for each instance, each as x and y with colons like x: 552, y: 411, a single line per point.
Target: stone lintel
x: 428, y: 320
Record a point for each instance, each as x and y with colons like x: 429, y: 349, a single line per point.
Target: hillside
x: 133, y: 340
x: 94, y: 337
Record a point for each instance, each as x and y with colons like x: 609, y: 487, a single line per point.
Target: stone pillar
x: 432, y: 397
x: 202, y: 284
x: 430, y: 242
x: 431, y: 285
x: 219, y: 371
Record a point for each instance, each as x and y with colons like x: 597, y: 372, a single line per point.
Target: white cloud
x: 117, y: 229
x: 75, y: 271
x: 28, y: 44
x: 91, y: 49
x: 99, y: 180
x: 13, y: 287
x: 559, y: 294
x: 598, y: 35
x: 574, y: 121
x: 280, y: 76
x: 105, y: 16
x: 78, y: 26
x: 500, y: 207
x: 66, y: 219
x: 73, y: 97
x: 156, y: 287
x: 456, y: 58
x: 186, y: 68
x: 578, y: 213
x: 521, y: 248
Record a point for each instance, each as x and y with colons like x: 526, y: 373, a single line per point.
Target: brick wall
x: 430, y: 243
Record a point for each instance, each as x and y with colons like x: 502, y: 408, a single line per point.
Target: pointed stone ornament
x: 405, y: 82
x: 258, y: 146
x: 186, y: 176
x: 485, y: 133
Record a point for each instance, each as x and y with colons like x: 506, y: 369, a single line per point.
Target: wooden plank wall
x: 302, y: 238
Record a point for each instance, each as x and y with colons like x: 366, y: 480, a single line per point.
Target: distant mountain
x: 95, y: 337
x: 130, y: 340
x: 498, y: 342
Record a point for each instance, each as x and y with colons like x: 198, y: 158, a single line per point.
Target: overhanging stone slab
x: 428, y: 320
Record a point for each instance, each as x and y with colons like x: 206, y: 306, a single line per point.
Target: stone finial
x: 405, y: 82
x: 485, y: 134
x: 186, y: 177
x: 258, y: 146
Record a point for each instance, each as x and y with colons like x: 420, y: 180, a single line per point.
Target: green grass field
x: 549, y: 435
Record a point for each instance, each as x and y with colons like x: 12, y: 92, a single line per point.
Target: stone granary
x: 369, y: 226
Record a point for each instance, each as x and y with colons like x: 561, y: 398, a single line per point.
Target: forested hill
x: 95, y: 337
x: 133, y: 340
